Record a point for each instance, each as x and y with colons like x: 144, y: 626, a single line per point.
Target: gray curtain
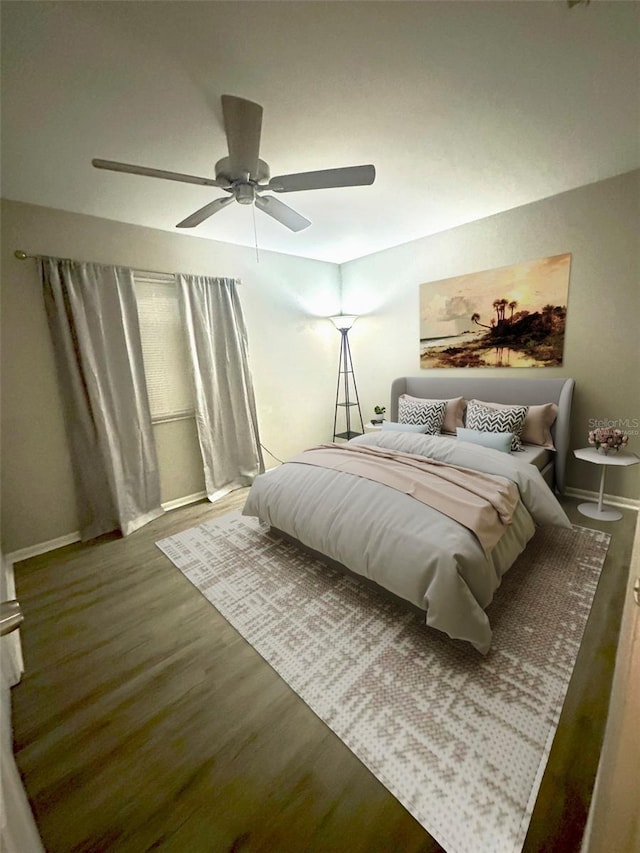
x: 225, y: 406
x: 93, y: 321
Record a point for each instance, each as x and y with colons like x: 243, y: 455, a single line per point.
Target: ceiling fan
x: 245, y: 177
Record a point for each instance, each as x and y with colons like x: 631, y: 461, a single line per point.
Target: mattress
x: 535, y: 455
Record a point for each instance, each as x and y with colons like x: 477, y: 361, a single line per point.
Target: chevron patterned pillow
x: 428, y: 414
x: 497, y: 420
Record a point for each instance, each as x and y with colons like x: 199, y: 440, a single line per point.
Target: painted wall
x: 293, y: 351
x: 599, y: 224
x: 293, y: 356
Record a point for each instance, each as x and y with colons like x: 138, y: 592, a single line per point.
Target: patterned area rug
x: 460, y: 740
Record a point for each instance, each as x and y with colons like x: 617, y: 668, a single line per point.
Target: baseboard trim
x: 185, y: 501
x: 69, y: 538
x: 612, y: 500
x: 42, y: 547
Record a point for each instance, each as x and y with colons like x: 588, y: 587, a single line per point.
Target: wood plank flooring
x: 145, y: 722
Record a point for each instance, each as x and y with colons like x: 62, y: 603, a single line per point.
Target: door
x: 18, y: 831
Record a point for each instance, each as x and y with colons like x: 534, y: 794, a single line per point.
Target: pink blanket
x: 483, y: 503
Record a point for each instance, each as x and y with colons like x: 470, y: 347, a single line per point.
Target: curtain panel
x: 93, y: 319
x: 226, y: 418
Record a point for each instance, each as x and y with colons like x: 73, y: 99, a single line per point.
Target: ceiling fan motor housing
x: 224, y: 173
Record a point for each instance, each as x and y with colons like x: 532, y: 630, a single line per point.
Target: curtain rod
x: 23, y: 256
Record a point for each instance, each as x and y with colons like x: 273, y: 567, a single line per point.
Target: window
x: 164, y: 347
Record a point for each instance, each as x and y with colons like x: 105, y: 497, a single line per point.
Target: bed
x: 509, y: 391
x: 386, y: 506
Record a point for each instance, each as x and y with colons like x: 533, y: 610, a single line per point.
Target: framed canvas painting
x: 508, y: 317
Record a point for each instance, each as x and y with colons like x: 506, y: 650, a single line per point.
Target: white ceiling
x: 465, y: 108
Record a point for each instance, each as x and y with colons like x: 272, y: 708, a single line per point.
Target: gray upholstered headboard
x: 527, y: 392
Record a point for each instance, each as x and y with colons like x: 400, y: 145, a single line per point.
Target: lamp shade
x: 343, y: 321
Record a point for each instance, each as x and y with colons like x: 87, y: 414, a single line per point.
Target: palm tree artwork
x: 508, y: 317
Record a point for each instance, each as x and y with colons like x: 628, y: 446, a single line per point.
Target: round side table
x: 620, y: 459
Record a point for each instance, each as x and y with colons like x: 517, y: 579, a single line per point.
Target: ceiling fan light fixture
x: 244, y: 193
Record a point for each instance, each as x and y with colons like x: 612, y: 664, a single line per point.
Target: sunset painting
x: 508, y: 317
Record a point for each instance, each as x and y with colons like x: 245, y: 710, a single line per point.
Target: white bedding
x: 406, y: 547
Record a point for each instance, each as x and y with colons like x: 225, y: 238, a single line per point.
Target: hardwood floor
x: 145, y: 722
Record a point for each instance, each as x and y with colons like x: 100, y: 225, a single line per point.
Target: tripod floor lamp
x: 347, y: 391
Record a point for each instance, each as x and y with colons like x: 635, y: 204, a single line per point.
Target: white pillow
x: 484, y: 419
x: 394, y: 427
x: 496, y: 440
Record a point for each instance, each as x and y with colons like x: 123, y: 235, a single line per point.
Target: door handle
x: 636, y: 591
x: 10, y: 616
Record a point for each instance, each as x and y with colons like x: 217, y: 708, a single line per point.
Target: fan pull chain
x: 255, y: 232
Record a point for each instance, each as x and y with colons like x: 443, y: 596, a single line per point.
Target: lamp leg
x: 355, y: 387
x: 345, y: 368
x: 335, y: 416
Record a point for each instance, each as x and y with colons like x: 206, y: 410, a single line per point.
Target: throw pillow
x: 416, y: 411
x: 486, y: 419
x: 453, y: 414
x: 394, y: 427
x: 496, y: 440
x: 537, y: 424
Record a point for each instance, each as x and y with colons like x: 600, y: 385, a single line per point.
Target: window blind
x: 164, y: 347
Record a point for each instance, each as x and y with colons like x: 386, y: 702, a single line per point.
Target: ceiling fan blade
x: 282, y: 212
x: 205, y: 212
x: 243, y: 126
x: 349, y: 176
x: 113, y: 166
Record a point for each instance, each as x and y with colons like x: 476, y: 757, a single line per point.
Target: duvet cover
x: 414, y: 550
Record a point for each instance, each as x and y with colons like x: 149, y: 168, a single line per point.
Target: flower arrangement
x: 606, y: 438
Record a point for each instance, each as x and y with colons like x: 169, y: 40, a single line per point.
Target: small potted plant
x: 379, y: 415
